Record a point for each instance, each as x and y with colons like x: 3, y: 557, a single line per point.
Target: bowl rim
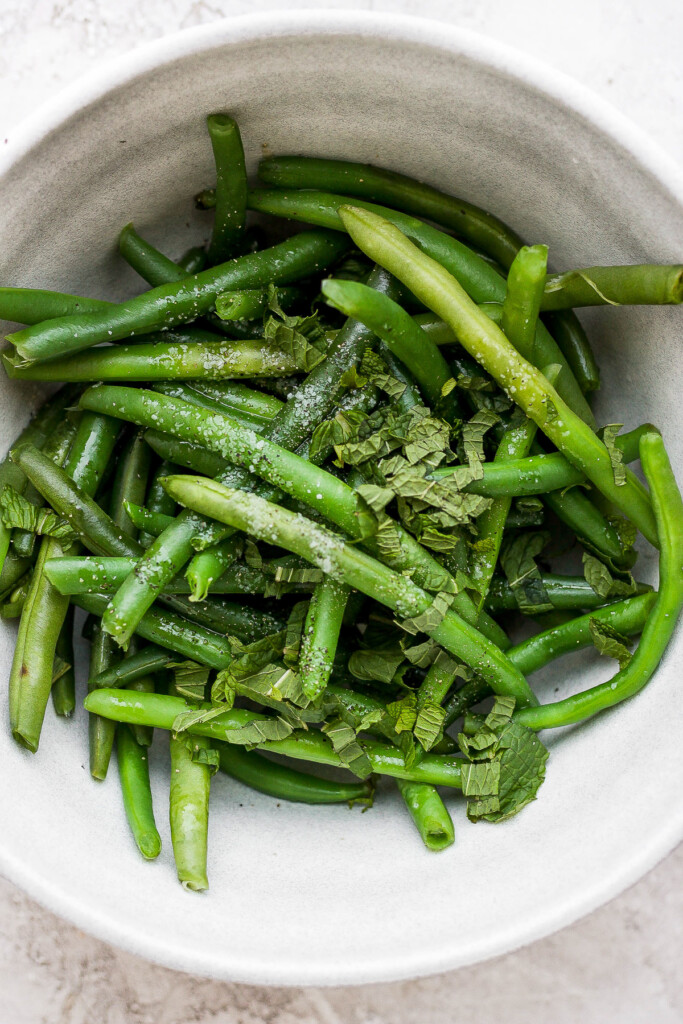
x: 88, y: 89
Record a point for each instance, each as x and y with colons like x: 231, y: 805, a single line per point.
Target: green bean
x: 438, y: 680
x: 575, y: 347
x: 522, y: 304
x: 130, y: 482
x: 211, y: 569
x: 314, y: 399
x: 198, y: 396
x: 365, y: 181
x: 101, y: 731
x: 281, y: 468
x: 576, y: 509
x: 13, y: 570
x: 36, y: 432
x: 165, y: 628
x: 226, y: 617
x: 231, y: 188
x: 648, y: 284
x: 251, y: 303
x: 45, y: 608
x: 150, y: 524
x: 103, y: 575
x: 564, y: 592
x: 13, y: 604
x: 32, y: 666
x: 321, y: 635
x: 64, y: 684
x: 540, y: 474
x: 93, y: 526
x: 348, y: 565
x: 159, y: 361
x: 33, y: 305
x: 148, y: 660
x: 228, y: 395
x: 663, y: 617
x: 485, y: 342
x: 56, y: 448
x: 185, y: 453
x: 158, y: 506
x: 193, y: 259
x: 286, y: 783
x: 189, y: 810
x: 149, y: 263
x: 396, y: 328
x: 462, y: 700
x: 481, y: 281
x: 137, y: 793
x: 519, y: 322
x: 628, y: 617
x: 161, y: 712
x: 429, y: 813
x: 181, y: 301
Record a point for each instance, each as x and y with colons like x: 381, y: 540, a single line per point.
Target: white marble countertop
x: 620, y: 964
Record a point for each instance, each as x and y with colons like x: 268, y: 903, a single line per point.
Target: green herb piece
x: 517, y: 560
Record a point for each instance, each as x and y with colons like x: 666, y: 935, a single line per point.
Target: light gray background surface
x: 620, y: 964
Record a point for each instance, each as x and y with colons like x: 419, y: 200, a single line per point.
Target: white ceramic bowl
x: 325, y: 895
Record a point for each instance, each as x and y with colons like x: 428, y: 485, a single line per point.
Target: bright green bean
x: 486, y: 343
x: 137, y: 793
x: 189, y: 810
x: 321, y: 635
x: 564, y: 592
x: 429, y: 813
x: 349, y: 565
x: 103, y: 575
x: 161, y: 711
x: 663, y: 617
x: 159, y: 361
x: 33, y: 305
x: 481, y: 281
x: 149, y: 263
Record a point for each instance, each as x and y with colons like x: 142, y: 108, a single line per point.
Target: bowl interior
x: 328, y: 895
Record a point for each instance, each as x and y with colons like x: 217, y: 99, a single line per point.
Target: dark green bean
x: 189, y: 809
x: 165, y: 628
x: 564, y: 592
x: 147, y: 661
x: 149, y: 263
x: 130, y: 482
x: 231, y: 188
x: 64, y: 684
x: 193, y: 260
x: 286, y: 783
x: 185, y: 453
x: 251, y: 303
x: 182, y: 301
x: 575, y: 347
x: 158, y: 505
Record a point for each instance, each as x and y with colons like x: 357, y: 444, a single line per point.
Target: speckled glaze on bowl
x: 324, y: 895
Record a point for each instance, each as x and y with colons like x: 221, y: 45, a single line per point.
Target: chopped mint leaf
x: 602, y: 581
x: 517, y: 560
x: 428, y: 728
x: 18, y: 513
x: 346, y: 746
x: 616, y: 456
x: 609, y: 642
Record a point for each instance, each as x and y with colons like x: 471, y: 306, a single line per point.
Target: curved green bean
x: 286, y: 783
x: 663, y: 617
x: 161, y: 711
x: 481, y: 281
x: 148, y: 262
x: 523, y: 382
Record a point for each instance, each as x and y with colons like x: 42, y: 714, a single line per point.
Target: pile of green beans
x: 307, y: 503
